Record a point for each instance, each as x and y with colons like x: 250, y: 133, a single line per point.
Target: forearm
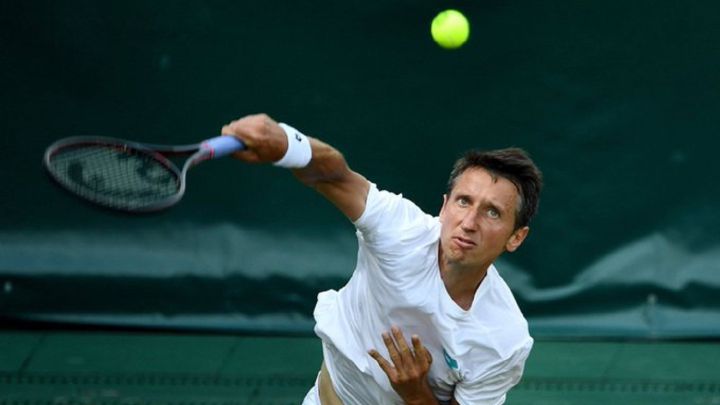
x: 427, y: 398
x: 430, y: 400
x: 329, y: 174
x: 327, y: 166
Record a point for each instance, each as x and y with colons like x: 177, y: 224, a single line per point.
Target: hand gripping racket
x: 128, y: 176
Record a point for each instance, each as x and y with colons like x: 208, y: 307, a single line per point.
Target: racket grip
x: 222, y: 146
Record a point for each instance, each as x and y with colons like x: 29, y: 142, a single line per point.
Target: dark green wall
x: 617, y: 102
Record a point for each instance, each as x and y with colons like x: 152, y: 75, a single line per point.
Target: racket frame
x: 158, y: 152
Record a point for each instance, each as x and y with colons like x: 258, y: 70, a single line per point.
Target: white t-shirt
x: 478, y: 355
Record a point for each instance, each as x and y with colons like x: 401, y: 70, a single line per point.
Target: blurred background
x: 614, y: 100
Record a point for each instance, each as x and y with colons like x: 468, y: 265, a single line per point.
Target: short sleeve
x: 492, y: 388
x: 388, y: 215
x: 396, y: 234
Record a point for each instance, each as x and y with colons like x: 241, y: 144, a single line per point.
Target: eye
x: 493, y: 213
x: 463, y: 201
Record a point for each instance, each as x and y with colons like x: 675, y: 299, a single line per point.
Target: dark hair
x: 512, y: 164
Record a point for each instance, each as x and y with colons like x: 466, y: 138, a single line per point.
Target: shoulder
x: 502, y: 299
x: 498, y: 323
x: 388, y: 212
x: 489, y: 384
x: 498, y: 343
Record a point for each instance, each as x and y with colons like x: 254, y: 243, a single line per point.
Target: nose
x: 469, y: 223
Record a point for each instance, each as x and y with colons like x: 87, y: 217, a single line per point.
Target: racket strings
x: 115, y: 176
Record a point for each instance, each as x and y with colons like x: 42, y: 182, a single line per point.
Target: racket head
x: 115, y: 173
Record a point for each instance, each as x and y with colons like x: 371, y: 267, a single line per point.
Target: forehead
x: 479, y: 183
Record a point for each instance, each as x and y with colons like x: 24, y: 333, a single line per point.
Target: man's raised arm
x: 315, y: 163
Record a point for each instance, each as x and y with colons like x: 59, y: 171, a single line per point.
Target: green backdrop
x: 616, y: 101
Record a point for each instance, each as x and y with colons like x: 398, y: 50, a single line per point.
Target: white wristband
x: 299, y: 151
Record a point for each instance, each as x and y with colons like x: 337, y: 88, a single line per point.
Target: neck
x: 460, y: 281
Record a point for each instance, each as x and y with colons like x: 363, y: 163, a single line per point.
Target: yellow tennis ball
x: 450, y: 29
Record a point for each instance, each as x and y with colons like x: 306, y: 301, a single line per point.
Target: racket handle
x: 222, y: 146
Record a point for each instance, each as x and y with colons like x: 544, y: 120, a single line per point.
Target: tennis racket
x: 129, y: 176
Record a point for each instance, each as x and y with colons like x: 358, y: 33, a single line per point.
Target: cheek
x: 494, y: 226
x: 447, y: 217
x: 500, y: 233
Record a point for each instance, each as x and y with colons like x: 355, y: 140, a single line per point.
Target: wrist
x: 424, y: 396
x: 299, y: 151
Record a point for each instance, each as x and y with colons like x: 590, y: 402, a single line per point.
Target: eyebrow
x: 490, y: 204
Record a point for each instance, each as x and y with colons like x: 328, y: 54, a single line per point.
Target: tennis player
x: 425, y: 317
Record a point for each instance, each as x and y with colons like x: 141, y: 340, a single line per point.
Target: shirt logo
x: 452, y: 363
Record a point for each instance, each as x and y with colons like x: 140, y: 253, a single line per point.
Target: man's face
x: 478, y: 219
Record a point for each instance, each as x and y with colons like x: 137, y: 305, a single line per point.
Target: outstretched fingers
x: 408, y: 366
x: 385, y: 365
x: 405, y: 361
x: 405, y: 355
x: 422, y: 354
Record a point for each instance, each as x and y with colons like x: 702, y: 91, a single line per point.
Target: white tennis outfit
x: 478, y: 355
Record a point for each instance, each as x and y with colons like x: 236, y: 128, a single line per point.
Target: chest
x: 452, y: 343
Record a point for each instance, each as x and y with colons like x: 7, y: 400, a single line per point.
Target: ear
x: 442, y: 209
x: 516, y: 239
